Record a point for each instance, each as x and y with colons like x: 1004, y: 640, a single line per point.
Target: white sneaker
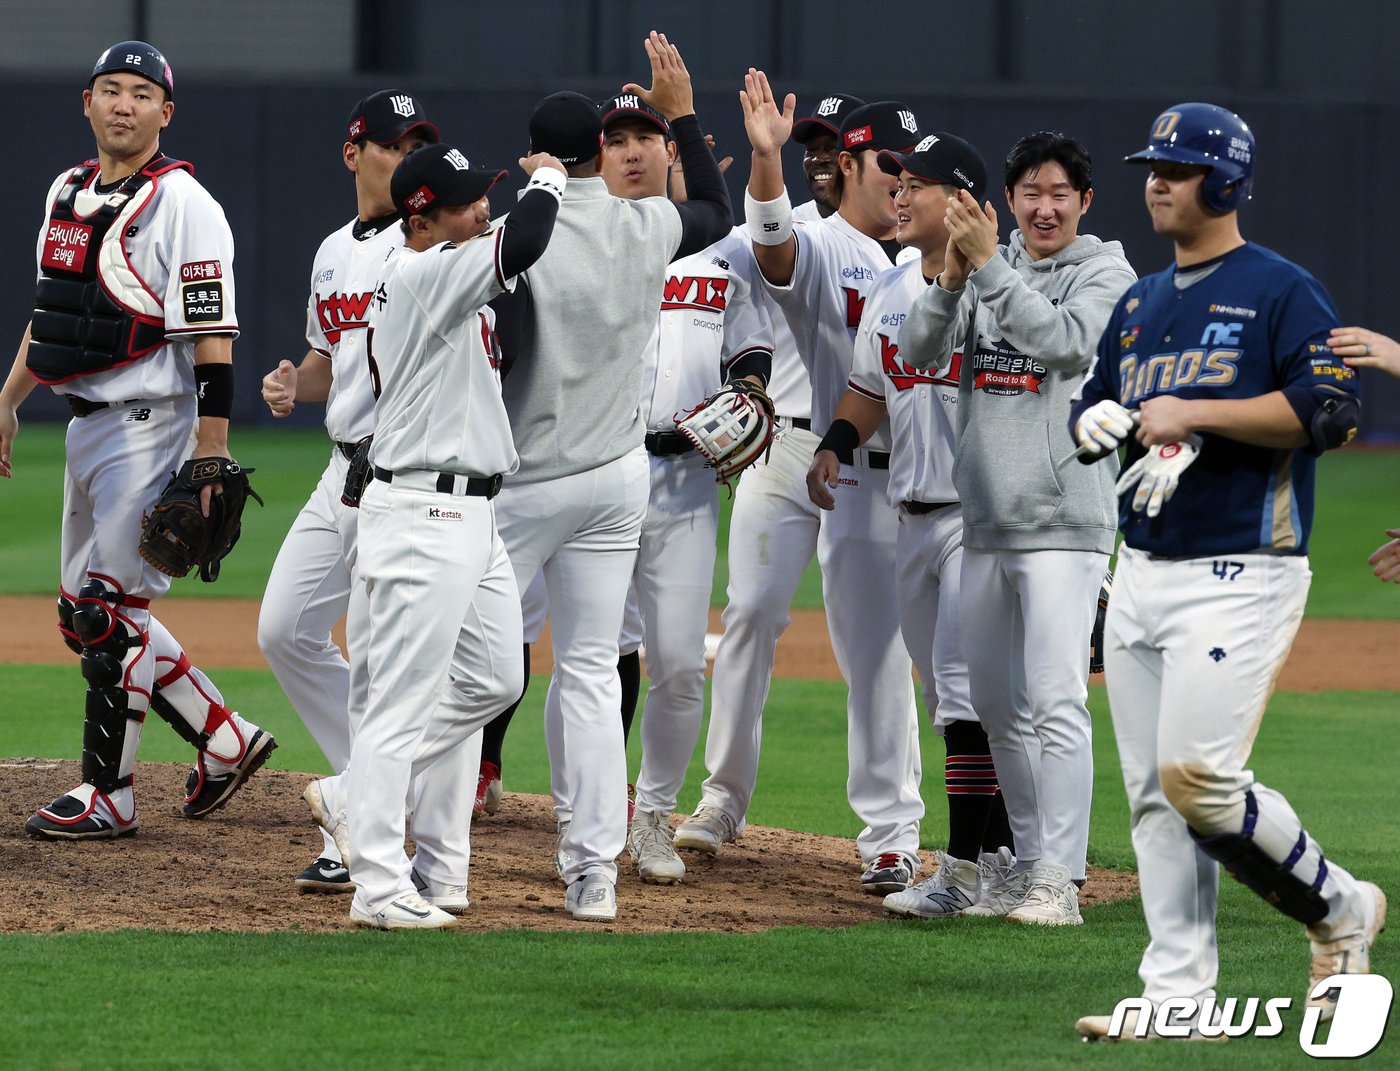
x: 1003, y: 886
x: 592, y: 898
x: 650, y: 845
x: 954, y: 887
x: 319, y: 799
x: 406, y: 912
x: 1052, y: 899
x: 706, y: 830
x: 1347, y: 955
x: 1095, y: 1028
x: 451, y: 898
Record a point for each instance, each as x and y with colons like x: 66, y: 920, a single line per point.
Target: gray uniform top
x: 576, y: 375
x: 1038, y: 325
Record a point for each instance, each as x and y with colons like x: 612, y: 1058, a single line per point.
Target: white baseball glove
x: 1157, y: 473
x: 1104, y: 427
x: 732, y: 428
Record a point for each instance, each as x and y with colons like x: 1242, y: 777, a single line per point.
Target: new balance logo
x: 139, y: 415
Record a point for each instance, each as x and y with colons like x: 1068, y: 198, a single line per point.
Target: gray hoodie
x: 1038, y: 324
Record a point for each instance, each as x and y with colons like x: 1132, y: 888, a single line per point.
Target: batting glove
x: 1157, y: 473
x: 1105, y: 425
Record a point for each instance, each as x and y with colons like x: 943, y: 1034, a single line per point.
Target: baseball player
x: 820, y: 276
x: 443, y: 606
x: 1223, y: 356
x: 577, y: 328
x: 770, y: 509
x: 1037, y: 539
x: 922, y: 412
x: 309, y: 588
x: 134, y: 324
x: 709, y: 327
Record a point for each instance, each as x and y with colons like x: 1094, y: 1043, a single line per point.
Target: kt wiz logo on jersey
x: 904, y: 376
x: 695, y: 292
x: 342, y: 312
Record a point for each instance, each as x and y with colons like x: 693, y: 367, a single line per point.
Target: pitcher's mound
x: 234, y: 870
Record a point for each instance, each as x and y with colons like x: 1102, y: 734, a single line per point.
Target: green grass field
x: 970, y: 993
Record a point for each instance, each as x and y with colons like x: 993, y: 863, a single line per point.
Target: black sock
x: 629, y: 673
x: 494, y: 734
x: 998, y: 831
x: 971, y: 781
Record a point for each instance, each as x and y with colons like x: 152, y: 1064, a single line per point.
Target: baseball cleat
x: 488, y: 790
x: 561, y: 857
x: 954, y: 888
x: 206, y: 792
x: 1347, y: 955
x: 592, y: 898
x: 317, y: 797
x: 649, y: 843
x: 1003, y: 886
x: 889, y: 873
x: 451, y: 898
x: 325, y: 876
x: 406, y: 912
x: 83, y: 814
x: 1052, y: 899
x: 706, y: 830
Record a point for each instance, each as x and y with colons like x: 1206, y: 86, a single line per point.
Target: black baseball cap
x: 388, y: 115
x: 825, y: 118
x: 568, y: 127
x: 886, y: 124
x: 631, y: 106
x: 438, y: 175
x: 945, y: 159
x: 138, y: 58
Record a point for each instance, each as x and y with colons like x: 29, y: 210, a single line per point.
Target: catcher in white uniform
x: 922, y: 407
x: 310, y: 588
x: 770, y: 509
x: 821, y: 276
x: 444, y: 644
x: 709, y: 327
x: 134, y: 324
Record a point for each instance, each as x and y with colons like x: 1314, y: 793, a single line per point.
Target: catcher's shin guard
x: 1275, y: 880
x: 111, y: 726
x: 65, y: 624
x: 193, y: 706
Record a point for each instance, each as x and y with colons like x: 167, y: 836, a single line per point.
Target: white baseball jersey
x: 179, y: 268
x: 435, y: 365
x: 922, y: 403
x: 835, y: 269
x: 789, y: 385
x: 343, y: 278
x: 708, y: 319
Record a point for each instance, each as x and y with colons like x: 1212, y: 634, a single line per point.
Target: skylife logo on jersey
x: 66, y: 246
x: 1363, y: 1003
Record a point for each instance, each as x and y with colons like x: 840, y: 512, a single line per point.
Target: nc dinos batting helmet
x: 1210, y: 136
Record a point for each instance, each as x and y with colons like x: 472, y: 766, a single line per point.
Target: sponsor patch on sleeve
x: 199, y: 270
x: 203, y: 302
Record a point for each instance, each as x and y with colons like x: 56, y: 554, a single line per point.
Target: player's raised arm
x: 767, y: 210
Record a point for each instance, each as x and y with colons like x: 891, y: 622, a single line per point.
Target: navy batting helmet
x: 1209, y: 136
x: 138, y: 58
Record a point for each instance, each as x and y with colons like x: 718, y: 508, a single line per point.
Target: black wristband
x: 214, y: 390
x: 841, y: 439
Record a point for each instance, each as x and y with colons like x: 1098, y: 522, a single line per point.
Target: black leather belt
x: 477, y: 486
x: 82, y: 407
x: 796, y: 422
x: 918, y: 508
x: 347, y: 449
x: 874, y: 459
x: 667, y: 443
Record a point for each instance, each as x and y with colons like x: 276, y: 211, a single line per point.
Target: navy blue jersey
x: 1255, y: 324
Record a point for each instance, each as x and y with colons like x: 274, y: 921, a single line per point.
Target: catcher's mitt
x: 731, y: 428
x: 177, y: 536
x: 1096, y: 637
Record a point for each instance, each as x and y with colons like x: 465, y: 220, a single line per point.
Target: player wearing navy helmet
x: 1224, y: 358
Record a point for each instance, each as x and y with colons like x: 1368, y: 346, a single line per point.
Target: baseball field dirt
x: 233, y: 870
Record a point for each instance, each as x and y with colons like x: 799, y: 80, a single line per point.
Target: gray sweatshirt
x: 1037, y: 328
